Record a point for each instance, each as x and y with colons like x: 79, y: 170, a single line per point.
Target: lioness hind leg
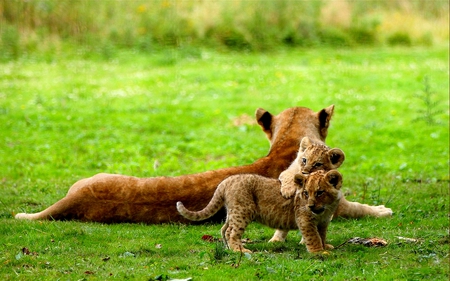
x: 349, y: 209
x: 55, y: 211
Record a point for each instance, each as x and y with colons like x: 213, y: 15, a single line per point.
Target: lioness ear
x: 264, y: 119
x: 324, y: 120
x: 300, y: 180
x: 305, y: 143
x: 334, y: 178
x: 336, y: 157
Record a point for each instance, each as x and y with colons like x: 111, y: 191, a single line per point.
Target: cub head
x: 321, y: 189
x: 314, y: 156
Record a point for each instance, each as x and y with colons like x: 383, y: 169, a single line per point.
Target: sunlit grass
x: 144, y: 115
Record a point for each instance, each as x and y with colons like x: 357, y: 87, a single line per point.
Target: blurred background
x: 50, y: 28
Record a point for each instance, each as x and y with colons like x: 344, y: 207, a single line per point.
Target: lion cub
x: 312, y: 156
x: 255, y: 198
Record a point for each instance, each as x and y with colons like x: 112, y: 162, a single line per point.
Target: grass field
x: 189, y: 110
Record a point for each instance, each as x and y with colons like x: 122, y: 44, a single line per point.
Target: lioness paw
x: 382, y: 211
x: 21, y: 216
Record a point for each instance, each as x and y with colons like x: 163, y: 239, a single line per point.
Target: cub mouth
x: 317, y: 211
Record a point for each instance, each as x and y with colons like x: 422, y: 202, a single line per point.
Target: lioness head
x: 316, y: 156
x: 292, y: 122
x: 320, y: 189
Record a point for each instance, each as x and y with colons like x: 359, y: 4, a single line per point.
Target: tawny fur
x: 255, y: 198
x: 312, y: 156
x: 314, y: 152
x: 112, y: 198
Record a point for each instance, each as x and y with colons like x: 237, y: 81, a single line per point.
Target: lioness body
x: 255, y: 198
x: 114, y: 198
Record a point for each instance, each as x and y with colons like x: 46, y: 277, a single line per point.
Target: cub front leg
x: 288, y: 186
x: 311, y: 237
x: 322, y: 229
x: 279, y: 236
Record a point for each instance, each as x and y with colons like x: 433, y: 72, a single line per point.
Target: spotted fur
x: 250, y: 198
x: 312, y: 156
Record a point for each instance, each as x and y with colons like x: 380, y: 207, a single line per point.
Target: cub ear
x: 334, y: 178
x: 324, y: 120
x: 264, y: 119
x: 305, y: 143
x: 336, y: 157
x: 300, y: 180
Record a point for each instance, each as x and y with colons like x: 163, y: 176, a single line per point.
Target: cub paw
x: 329, y: 247
x: 242, y: 249
x: 315, y: 250
x: 288, y: 192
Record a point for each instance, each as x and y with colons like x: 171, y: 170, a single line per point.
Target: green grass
x: 72, y: 117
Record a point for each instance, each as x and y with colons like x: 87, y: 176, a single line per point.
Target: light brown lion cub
x: 312, y: 156
x: 255, y: 198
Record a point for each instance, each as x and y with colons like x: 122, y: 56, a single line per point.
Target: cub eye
x: 319, y: 193
x: 304, y: 161
x: 318, y: 165
x: 305, y: 193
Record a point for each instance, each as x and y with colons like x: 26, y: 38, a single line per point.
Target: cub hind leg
x: 237, y: 222
x: 225, y: 233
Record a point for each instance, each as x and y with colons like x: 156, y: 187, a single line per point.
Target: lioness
x: 112, y: 198
x: 250, y: 198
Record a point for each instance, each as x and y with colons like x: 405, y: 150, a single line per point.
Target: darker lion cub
x: 255, y: 198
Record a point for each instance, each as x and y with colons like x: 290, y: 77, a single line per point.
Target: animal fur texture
x: 312, y: 156
x: 250, y: 198
x: 113, y: 198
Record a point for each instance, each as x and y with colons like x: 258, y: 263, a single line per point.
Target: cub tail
x: 216, y: 203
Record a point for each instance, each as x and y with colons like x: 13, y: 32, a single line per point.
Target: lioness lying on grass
x: 112, y: 198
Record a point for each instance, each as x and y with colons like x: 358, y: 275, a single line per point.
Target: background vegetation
x: 79, y: 94
x: 54, y: 27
